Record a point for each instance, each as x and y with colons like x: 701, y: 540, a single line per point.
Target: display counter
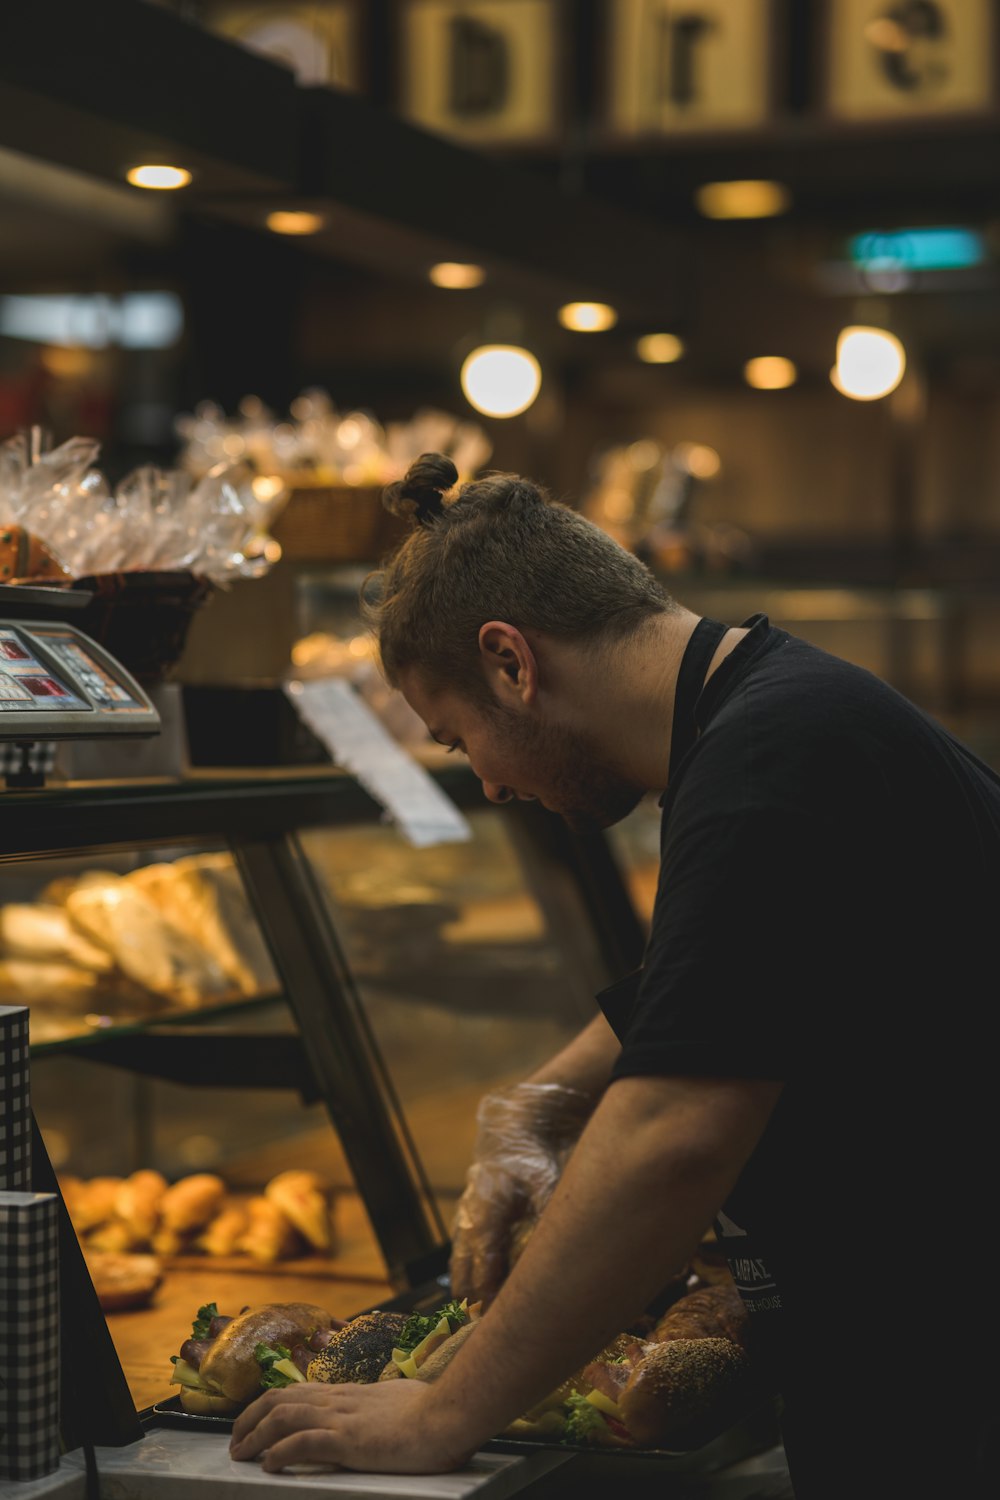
x: 221, y: 968
x: 231, y: 977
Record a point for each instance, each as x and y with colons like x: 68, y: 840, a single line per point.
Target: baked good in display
x: 179, y: 933
x: 204, y: 895
x: 269, y: 1235
x: 196, y: 1215
x: 192, y: 1202
x: 145, y: 946
x: 300, y: 1197
x: 44, y: 933
x: 123, y: 1281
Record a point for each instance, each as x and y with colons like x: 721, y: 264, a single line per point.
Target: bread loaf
x: 709, y: 1313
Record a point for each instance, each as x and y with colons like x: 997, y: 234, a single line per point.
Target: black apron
x: 618, y: 1000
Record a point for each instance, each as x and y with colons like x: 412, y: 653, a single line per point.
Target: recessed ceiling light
x: 501, y: 380
x: 294, y: 221
x: 457, y: 275
x: 659, y: 348
x: 158, y: 176
x: 750, y: 198
x: 588, y: 317
x: 770, y: 372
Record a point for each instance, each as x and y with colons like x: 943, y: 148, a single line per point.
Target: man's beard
x: 585, y: 791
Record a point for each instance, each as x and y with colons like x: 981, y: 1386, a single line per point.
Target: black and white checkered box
x: 29, y: 1335
x: 15, y: 1101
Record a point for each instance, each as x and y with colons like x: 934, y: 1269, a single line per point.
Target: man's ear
x: 509, y: 663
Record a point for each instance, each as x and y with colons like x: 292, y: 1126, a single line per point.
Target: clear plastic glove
x: 525, y: 1136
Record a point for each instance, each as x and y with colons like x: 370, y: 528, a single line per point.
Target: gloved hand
x: 525, y: 1135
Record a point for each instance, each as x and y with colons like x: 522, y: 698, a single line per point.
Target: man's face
x: 518, y: 754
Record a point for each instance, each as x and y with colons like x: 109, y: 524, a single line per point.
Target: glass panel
x: 95, y: 942
x: 474, y: 965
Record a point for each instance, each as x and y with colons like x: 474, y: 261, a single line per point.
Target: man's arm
x: 657, y: 1160
x: 585, y: 1063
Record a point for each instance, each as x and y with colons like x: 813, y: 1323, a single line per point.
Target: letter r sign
x: 688, y: 65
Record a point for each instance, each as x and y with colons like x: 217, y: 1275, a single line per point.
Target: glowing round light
x: 294, y: 221
x: 588, y: 317
x: 456, y: 275
x: 870, y: 363
x: 501, y: 380
x: 770, y: 372
x: 698, y: 459
x: 750, y: 198
x: 162, y: 178
x: 659, y: 348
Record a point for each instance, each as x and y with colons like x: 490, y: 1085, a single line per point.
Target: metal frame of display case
x: 333, y: 1055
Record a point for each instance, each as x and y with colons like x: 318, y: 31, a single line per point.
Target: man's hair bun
x: 419, y: 496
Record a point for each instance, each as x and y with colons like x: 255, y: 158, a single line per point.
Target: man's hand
x: 392, y: 1427
x: 525, y: 1135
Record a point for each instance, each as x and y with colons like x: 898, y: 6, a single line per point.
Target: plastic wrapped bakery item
x: 24, y: 559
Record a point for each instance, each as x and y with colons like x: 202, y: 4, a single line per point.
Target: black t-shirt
x: 827, y: 915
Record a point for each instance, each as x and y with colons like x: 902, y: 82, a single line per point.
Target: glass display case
x: 221, y: 969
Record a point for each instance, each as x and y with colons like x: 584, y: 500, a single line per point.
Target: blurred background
x: 749, y: 254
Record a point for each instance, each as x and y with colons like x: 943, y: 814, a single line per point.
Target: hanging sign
x: 481, y: 70
x: 687, y: 65
x: 890, y: 59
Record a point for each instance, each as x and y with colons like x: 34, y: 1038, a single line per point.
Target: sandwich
x: 228, y: 1361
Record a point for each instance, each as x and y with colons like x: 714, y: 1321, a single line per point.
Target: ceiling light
x: 294, y: 221
x: 161, y: 177
x: 659, y: 348
x: 501, y: 380
x: 770, y: 372
x: 588, y: 317
x: 870, y: 363
x: 751, y: 198
x: 457, y: 275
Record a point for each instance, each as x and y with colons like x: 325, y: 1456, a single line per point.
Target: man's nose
x: 496, y: 792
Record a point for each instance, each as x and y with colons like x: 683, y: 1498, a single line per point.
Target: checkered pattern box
x: 29, y: 1335
x: 15, y: 1101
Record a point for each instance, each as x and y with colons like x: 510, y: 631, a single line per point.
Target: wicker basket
x: 336, y: 524
x: 142, y: 618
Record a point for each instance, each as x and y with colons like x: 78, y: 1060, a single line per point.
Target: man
x: 804, y: 1057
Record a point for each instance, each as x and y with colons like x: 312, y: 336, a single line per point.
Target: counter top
x: 168, y: 1462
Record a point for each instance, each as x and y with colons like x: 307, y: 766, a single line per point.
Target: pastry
x: 300, y: 1197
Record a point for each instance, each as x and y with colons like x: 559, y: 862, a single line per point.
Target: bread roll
x: 711, y: 1312
x: 192, y: 1202
x: 146, y: 947
x: 685, y: 1391
x: 359, y: 1352
x: 222, y: 1235
x: 25, y: 982
x: 230, y: 1366
x: 44, y: 933
x: 301, y: 1199
x: 269, y: 1234
x: 138, y: 1202
x: 92, y: 1203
